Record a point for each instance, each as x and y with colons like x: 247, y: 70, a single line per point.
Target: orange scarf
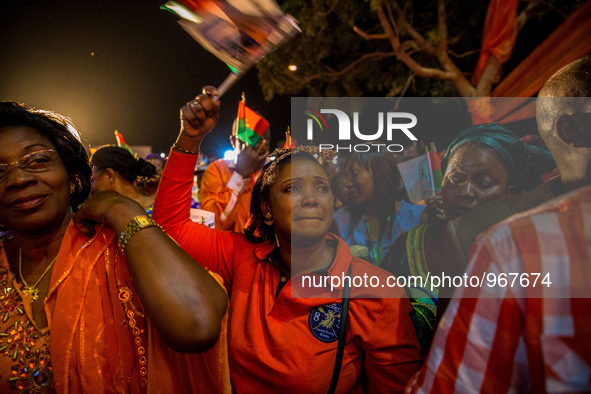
x: 99, y: 340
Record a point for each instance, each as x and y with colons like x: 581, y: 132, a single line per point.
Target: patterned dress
x: 25, y: 364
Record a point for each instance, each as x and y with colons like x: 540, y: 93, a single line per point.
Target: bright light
x: 162, y: 155
x: 292, y: 67
x: 230, y: 155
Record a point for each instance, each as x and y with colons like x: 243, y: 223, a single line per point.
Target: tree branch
x: 524, y: 15
x: 393, y: 20
x: 368, y: 36
x: 405, y: 57
x: 461, y: 55
x: 335, y: 74
x: 414, y: 34
x: 441, y: 26
x: 406, y: 86
x: 330, y: 10
x: 488, y: 77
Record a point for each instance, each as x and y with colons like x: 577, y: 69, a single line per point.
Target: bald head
x: 572, y: 80
x: 563, y: 113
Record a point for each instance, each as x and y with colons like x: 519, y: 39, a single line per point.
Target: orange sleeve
x: 215, y: 196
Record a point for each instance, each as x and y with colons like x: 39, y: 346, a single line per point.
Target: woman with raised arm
x: 284, y: 332
x: 71, y: 318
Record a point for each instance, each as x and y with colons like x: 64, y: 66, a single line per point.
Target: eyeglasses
x: 38, y: 161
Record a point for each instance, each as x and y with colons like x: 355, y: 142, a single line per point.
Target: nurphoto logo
x: 393, y: 125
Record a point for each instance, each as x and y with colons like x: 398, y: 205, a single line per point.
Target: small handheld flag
x: 288, y: 141
x: 121, y: 142
x: 251, y: 126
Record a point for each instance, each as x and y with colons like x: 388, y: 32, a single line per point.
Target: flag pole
x: 431, y: 172
x: 228, y: 83
x: 237, y: 144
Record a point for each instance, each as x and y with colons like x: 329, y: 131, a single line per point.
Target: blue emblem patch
x: 325, y: 322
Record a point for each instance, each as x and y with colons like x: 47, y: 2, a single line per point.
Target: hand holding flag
x: 240, y: 33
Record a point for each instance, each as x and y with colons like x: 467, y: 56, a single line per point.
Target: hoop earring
x: 76, y: 185
x: 268, y: 219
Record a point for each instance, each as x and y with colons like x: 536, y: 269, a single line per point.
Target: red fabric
x: 498, y: 35
x: 567, y: 43
x: 272, y: 348
x: 519, y: 341
x: 95, y: 345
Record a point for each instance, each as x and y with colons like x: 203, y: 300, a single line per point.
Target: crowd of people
x: 109, y: 286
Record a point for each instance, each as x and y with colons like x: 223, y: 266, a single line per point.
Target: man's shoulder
x: 219, y: 167
x: 220, y: 163
x: 550, y: 229
x: 572, y: 203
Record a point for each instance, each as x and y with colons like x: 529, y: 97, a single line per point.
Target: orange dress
x: 100, y: 339
x: 24, y: 348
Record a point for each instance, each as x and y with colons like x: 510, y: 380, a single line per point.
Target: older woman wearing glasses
x: 70, y: 317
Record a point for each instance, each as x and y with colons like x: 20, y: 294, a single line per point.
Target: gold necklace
x: 32, y: 290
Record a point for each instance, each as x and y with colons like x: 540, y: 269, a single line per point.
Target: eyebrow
x: 36, y: 145
x: 301, y: 179
x: 26, y: 148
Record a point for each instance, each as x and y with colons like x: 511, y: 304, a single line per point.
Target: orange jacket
x: 231, y: 208
x: 288, y: 345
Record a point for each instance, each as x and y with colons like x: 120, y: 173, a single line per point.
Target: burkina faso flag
x: 251, y: 126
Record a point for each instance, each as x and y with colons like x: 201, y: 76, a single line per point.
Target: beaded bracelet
x: 188, y: 152
x: 136, y: 224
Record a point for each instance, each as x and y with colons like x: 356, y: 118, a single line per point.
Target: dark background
x: 124, y: 65
x: 128, y: 65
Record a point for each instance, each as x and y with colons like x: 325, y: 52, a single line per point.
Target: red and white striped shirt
x: 521, y: 338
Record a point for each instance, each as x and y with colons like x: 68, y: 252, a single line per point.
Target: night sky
x: 124, y: 65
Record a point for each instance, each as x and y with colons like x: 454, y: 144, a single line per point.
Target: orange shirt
x: 275, y: 343
x: 230, y: 204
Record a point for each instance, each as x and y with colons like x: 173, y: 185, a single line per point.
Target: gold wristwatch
x: 136, y: 224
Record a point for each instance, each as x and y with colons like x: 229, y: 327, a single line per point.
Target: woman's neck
x: 43, y: 243
x: 303, y: 259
